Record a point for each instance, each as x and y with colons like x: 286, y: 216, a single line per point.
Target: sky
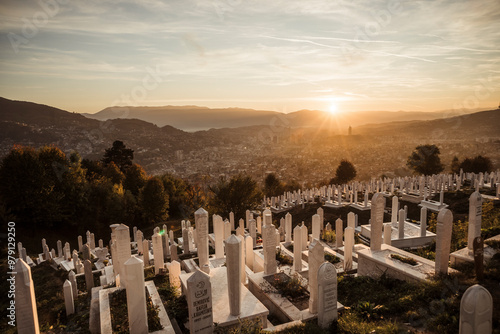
x: 341, y: 56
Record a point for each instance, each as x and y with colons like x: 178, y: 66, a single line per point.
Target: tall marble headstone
x: 443, y: 241
x: 475, y: 212
x: 233, y: 263
x: 339, y: 228
x: 68, y: 298
x: 297, y: 249
x: 218, y: 224
x: 327, y: 294
x: 89, y: 276
x: 377, y: 221
x: 26, y: 311
x: 269, y: 245
x: 123, y: 251
x: 476, y: 311
x: 72, y: 279
x: 348, y: 247
x: 316, y: 258
x: 136, y: 295
x: 423, y: 222
x: 201, y: 221
x: 158, y: 252
x: 316, y: 226
x: 174, y: 271
x: 199, y: 298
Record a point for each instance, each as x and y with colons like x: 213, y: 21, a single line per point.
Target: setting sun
x: 333, y: 108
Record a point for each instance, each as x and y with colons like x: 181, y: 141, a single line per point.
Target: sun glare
x: 333, y: 109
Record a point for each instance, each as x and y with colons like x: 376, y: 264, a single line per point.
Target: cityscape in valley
x: 250, y: 167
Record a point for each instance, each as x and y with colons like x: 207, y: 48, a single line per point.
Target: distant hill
x: 477, y: 125
x: 194, y: 118
x: 217, y: 150
x: 189, y: 118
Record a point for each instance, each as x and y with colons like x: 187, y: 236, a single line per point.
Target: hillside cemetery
x: 233, y: 271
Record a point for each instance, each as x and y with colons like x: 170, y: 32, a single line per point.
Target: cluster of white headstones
x: 238, y: 251
x: 423, y: 186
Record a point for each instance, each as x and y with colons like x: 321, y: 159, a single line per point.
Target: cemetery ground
x: 383, y: 305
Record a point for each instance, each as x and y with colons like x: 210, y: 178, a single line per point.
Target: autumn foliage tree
x: 425, y: 160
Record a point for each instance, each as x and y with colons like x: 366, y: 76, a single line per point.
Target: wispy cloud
x: 218, y: 51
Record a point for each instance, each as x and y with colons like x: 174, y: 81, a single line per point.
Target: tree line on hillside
x: 44, y: 188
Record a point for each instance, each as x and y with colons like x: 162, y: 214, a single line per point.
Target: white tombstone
x: 185, y: 241
x: 252, y: 229
x: 233, y: 259
x: 269, y: 246
x: 243, y: 275
x: 443, y: 241
x: 305, y: 236
x: 89, y: 276
x: 339, y: 227
x: 231, y: 220
x: 423, y: 221
x: 59, y: 249
x: 227, y: 229
x: 297, y: 249
x: 288, y: 228
x: 259, y: 224
x: 377, y: 221
x: 388, y: 233
x: 348, y: 247
x: 321, y: 214
x: 140, y: 244
x: 80, y: 243
x: 201, y: 221
x: 164, y: 242
x: 68, y: 298
x: 475, y: 212
x: 401, y: 224
x: 136, y: 295
x: 199, y: 298
x: 158, y: 252
x: 327, y: 294
x: 316, y: 258
x: 123, y: 251
x: 218, y: 224
x: 173, y: 253
x: 316, y: 226
x: 351, y: 220
x: 174, y: 271
x: 249, y: 254
x: 26, y: 312
x: 476, y: 311
x: 72, y: 279
x: 145, y: 252
x: 92, y: 241
x: 395, y: 208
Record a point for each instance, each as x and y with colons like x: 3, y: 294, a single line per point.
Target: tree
x: 345, y: 172
x: 455, y: 165
x: 113, y: 173
x: 154, y: 201
x: 273, y: 186
x: 176, y: 189
x: 120, y: 155
x: 476, y: 165
x: 135, y: 179
x: 425, y: 160
x: 239, y: 194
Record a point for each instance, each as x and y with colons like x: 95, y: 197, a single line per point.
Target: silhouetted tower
x: 349, y: 131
